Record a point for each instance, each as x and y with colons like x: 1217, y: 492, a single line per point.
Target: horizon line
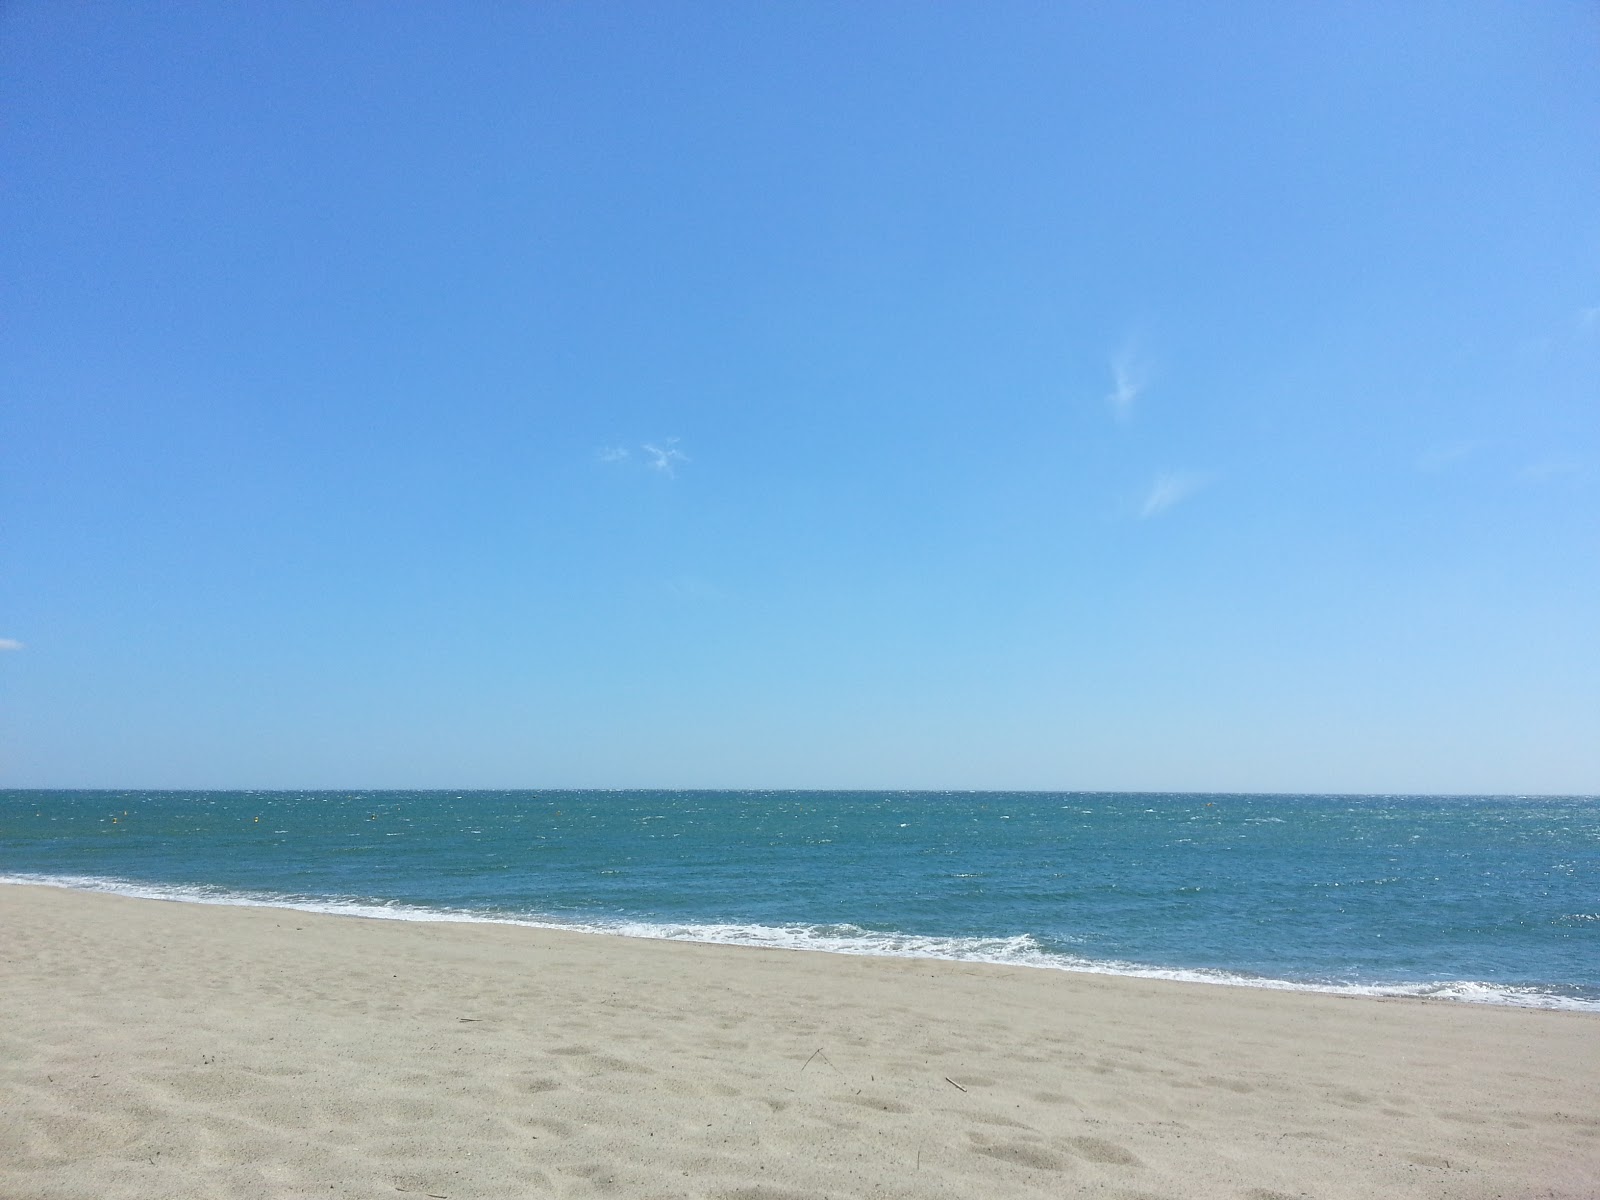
x: 905, y: 791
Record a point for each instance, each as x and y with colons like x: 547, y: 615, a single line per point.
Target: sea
x: 1489, y: 899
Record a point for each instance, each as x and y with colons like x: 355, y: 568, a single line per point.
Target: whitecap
x: 1019, y: 950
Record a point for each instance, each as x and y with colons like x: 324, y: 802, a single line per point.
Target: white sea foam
x: 1022, y: 950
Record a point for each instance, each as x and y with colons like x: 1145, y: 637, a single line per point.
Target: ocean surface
x: 1491, y: 899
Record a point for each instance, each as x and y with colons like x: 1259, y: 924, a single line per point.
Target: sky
x: 764, y: 395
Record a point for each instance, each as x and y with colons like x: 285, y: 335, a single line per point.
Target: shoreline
x: 202, y: 1050
x: 1452, y: 991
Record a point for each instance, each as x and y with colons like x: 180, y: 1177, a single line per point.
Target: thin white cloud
x: 665, y: 457
x: 1581, y: 330
x: 10, y: 644
x: 693, y: 587
x: 1130, y: 375
x: 1437, y: 458
x: 1169, y: 490
x: 1554, y: 470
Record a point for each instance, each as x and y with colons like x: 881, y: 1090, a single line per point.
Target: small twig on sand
x: 817, y: 1053
x: 474, y: 1020
x: 954, y: 1084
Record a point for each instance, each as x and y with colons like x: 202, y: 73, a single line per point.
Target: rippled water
x: 1469, y: 897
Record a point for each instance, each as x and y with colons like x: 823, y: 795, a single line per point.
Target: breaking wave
x: 1019, y: 950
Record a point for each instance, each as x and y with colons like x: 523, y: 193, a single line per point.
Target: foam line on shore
x: 1021, y: 950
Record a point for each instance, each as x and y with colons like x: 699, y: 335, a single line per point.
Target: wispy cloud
x: 1130, y: 376
x: 1169, y: 490
x: 1582, y: 328
x: 10, y: 644
x: 693, y: 587
x: 665, y: 457
x: 1555, y: 470
x: 1438, y: 457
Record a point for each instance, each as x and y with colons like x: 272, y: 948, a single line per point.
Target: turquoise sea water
x: 1475, y: 898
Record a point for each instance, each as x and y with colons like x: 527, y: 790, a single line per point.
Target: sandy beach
x: 152, y: 1049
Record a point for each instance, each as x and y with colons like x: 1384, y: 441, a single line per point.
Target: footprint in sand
x: 551, y: 1125
x: 760, y: 1191
x: 1428, y: 1160
x: 1022, y: 1154
x: 1232, y: 1085
x: 610, y: 1062
x: 877, y: 1102
x: 1101, y: 1151
x: 991, y: 1119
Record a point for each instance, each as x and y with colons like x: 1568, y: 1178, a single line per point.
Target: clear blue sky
x: 996, y: 395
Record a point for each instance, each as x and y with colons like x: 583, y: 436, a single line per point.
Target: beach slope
x: 152, y: 1049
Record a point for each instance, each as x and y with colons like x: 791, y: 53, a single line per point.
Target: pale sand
x: 172, y: 1050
